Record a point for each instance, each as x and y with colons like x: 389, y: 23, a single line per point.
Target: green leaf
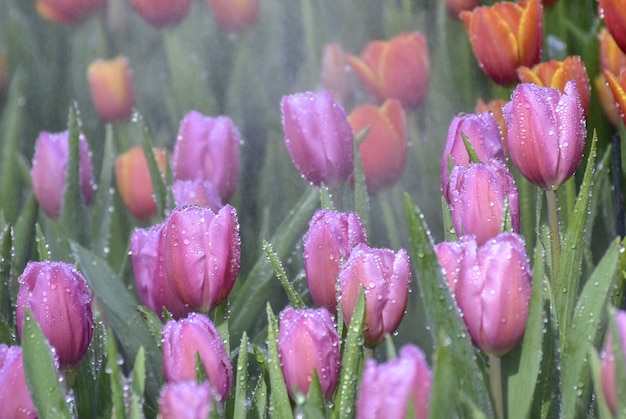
x: 24, y: 235
x: 281, y: 407
x: 241, y: 381
x: 441, y: 311
x: 444, y: 382
x: 220, y: 320
x: 448, y: 225
x: 326, y: 201
x: 351, y: 359
x: 138, y: 384
x: 259, y: 399
x: 312, y: 406
x: 103, y: 201
x: 361, y: 197
x: 117, y: 305
x: 6, y: 256
x: 115, y: 375
x: 43, y: 251
x: 294, y: 298
x: 585, y: 330
x: 603, y: 410
x: 471, y: 151
x: 159, y: 188
x: 155, y: 325
x: 41, y: 372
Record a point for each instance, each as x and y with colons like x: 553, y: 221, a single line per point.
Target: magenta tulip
x: 57, y: 295
x: 185, y: 400
x: 14, y: 396
x: 546, y: 133
x: 449, y: 255
x: 318, y: 137
x: 387, y: 389
x: 196, y: 192
x: 182, y: 339
x: 608, y: 365
x: 385, y: 276
x: 309, y: 342
x: 327, y: 245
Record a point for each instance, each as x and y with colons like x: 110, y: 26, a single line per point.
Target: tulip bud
x: 614, y: 15
x: 318, y: 137
x: 14, y: 395
x: 202, y: 253
x: 162, y: 13
x: 546, y: 133
x: 235, y: 15
x: 387, y: 389
x: 395, y: 69
x: 308, y: 342
x: 557, y: 73
x: 449, y: 255
x: 208, y: 149
x: 152, y: 286
x: 196, y: 192
x: 334, y: 75
x: 483, y: 133
x: 68, y: 11
x: 505, y: 36
x: 383, y: 150
x: 57, y: 295
x: 493, y: 291
x: 112, y: 91
x: 608, y: 365
x: 327, y: 245
x: 134, y: 182
x: 182, y: 339
x: 478, y: 197
x: 385, y: 276
x: 50, y: 167
x: 185, y: 400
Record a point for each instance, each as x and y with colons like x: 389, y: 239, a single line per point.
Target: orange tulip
x: 557, y: 73
x: 235, y: 15
x: 612, y: 59
x: 112, y: 89
x: 455, y: 7
x: 617, y: 84
x: 505, y: 36
x: 133, y: 180
x: 68, y: 11
x: 614, y: 14
x: 395, y: 69
x: 383, y: 151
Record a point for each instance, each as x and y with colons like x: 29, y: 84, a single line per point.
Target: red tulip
x: 68, y: 11
x: 161, y: 13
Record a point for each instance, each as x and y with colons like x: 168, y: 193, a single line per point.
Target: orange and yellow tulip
x: 112, y: 88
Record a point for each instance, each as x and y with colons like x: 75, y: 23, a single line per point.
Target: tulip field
x: 312, y: 209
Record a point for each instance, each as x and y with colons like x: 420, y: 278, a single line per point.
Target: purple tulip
x: 493, y: 291
x: 608, y: 365
x: 308, y: 341
x: 449, y: 255
x: 49, y: 170
x: 482, y: 131
x: 546, y: 133
x: 14, y: 395
x: 182, y: 339
x: 208, y: 149
x: 148, y: 265
x: 57, y: 295
x: 185, y: 400
x: 327, y: 245
x: 202, y: 253
x: 478, y: 194
x: 385, y: 276
x: 318, y: 137
x: 387, y: 389
x: 196, y: 192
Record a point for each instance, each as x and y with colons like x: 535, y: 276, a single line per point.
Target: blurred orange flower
x: 612, y: 59
x: 68, y: 11
x: 112, y: 88
x: 235, y: 15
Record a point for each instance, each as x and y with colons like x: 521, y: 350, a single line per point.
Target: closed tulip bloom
x: 308, y: 342
x: 612, y: 59
x: 608, y: 364
x: 182, y: 339
x: 387, y: 389
x: 112, y: 90
x: 478, y: 197
x: 495, y: 107
x: 14, y: 395
x: 185, y: 400
x: 395, y: 69
x: 482, y: 131
x: 385, y: 276
x: 614, y: 14
x: 505, y: 36
x: 318, y: 137
x: 557, y: 73
x: 449, y: 256
x: 327, y: 245
x: 57, y: 295
x: 49, y: 170
x: 202, y: 253
x: 162, y: 13
x: 547, y: 133
x: 617, y: 84
x: 196, y: 192
x: 208, y: 149
x: 148, y: 266
x: 68, y: 11
x: 493, y: 291
x: 134, y: 182
x: 334, y: 74
x: 383, y: 150
x: 235, y: 15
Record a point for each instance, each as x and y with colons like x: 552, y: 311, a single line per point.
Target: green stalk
x: 389, y: 218
x: 495, y: 375
x: 555, y: 239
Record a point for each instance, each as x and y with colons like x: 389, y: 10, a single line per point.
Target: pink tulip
x: 185, y: 400
x: 608, y: 365
x: 14, y: 395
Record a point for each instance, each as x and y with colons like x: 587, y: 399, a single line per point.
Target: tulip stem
x: 495, y: 375
x: 555, y: 240
x: 390, y: 219
x: 368, y: 353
